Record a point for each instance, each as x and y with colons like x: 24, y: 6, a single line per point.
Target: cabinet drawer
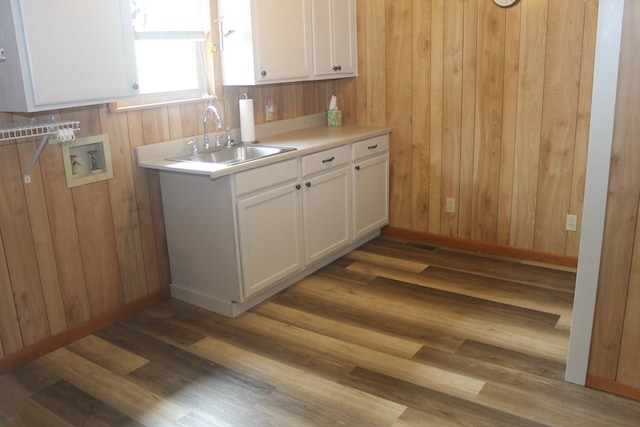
x: 370, y: 146
x: 266, y: 176
x: 325, y: 160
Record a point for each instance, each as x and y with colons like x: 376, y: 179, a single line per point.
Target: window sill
x: 123, y: 107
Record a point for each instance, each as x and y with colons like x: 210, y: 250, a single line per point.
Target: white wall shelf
x: 35, y: 127
x: 63, y: 130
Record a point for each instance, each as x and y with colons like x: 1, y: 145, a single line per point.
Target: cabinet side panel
x: 201, y: 234
x: 12, y: 87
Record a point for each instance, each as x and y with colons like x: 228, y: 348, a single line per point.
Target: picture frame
x: 87, y: 160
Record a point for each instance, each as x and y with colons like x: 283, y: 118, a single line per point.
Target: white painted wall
x: 601, y: 135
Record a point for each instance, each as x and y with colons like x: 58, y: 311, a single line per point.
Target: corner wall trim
x: 81, y: 330
x: 483, y: 247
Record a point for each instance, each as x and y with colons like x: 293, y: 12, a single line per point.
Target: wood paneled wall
x: 488, y: 106
x: 71, y: 255
x: 615, y: 345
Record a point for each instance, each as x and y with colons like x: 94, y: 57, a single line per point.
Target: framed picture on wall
x: 87, y: 160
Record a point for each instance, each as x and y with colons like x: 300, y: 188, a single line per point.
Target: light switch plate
x: 451, y: 205
x: 572, y: 222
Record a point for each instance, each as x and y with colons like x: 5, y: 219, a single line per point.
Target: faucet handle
x: 194, y: 146
x: 230, y: 142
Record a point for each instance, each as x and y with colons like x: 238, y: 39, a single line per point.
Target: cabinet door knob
x: 135, y: 86
x: 263, y: 73
x: 337, y: 68
x: 357, y: 168
x: 298, y: 186
x: 308, y: 184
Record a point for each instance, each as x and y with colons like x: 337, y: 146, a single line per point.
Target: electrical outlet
x: 2, y: 57
x: 572, y: 222
x: 451, y: 205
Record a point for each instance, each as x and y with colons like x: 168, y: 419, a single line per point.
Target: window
x: 171, y: 45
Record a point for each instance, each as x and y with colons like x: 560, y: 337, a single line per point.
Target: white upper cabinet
x: 268, y: 41
x: 65, y: 53
x: 334, y: 38
x: 275, y: 41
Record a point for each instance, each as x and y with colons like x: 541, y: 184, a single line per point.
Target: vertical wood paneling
x: 124, y: 208
x: 628, y: 372
x: 435, y: 109
x: 9, y: 326
x: 376, y: 42
x: 421, y: 115
x: 621, y: 222
x: 287, y: 109
x: 488, y: 133
x: 469, y: 75
x: 509, y: 59
x: 155, y: 128
x: 529, y: 119
x: 579, y: 173
x: 346, y: 91
x: 143, y: 203
x: 628, y: 134
x: 399, y: 90
x: 190, y: 119
x: 363, y: 71
x: 43, y: 242
x: 559, y: 117
x: 20, y: 252
x: 509, y: 108
x: 98, y: 247
x: 452, y: 112
x: 66, y: 245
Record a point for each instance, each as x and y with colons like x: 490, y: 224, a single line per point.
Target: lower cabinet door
x: 326, y: 209
x: 270, y: 232
x: 370, y: 195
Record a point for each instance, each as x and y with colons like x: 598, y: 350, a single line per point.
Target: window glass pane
x: 170, y: 46
x: 168, y: 65
x: 170, y: 15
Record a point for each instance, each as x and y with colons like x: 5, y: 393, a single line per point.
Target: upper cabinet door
x: 282, y: 39
x: 67, y: 53
x: 265, y: 41
x: 334, y: 38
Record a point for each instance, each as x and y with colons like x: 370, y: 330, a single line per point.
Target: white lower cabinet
x: 370, y: 185
x: 326, y: 206
x: 270, y: 236
x: 326, y: 202
x: 237, y: 240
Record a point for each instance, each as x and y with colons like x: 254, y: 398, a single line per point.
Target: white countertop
x: 305, y: 140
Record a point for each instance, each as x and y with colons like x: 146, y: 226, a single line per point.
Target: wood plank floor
x: 393, y: 334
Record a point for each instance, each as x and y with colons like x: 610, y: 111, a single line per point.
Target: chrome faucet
x: 216, y: 113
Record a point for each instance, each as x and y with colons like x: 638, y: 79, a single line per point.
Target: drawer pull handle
x: 329, y: 160
x: 357, y: 168
x: 308, y: 184
x: 373, y: 147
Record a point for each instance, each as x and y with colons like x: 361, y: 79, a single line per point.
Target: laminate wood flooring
x: 392, y: 334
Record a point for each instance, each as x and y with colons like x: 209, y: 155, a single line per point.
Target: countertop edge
x: 306, y: 141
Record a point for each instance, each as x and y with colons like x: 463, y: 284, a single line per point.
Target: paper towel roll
x: 247, y: 127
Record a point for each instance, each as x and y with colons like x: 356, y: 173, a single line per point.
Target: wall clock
x: 505, y: 3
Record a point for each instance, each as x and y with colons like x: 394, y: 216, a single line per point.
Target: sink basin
x: 233, y: 155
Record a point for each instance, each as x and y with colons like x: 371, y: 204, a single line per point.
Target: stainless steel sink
x: 233, y: 155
